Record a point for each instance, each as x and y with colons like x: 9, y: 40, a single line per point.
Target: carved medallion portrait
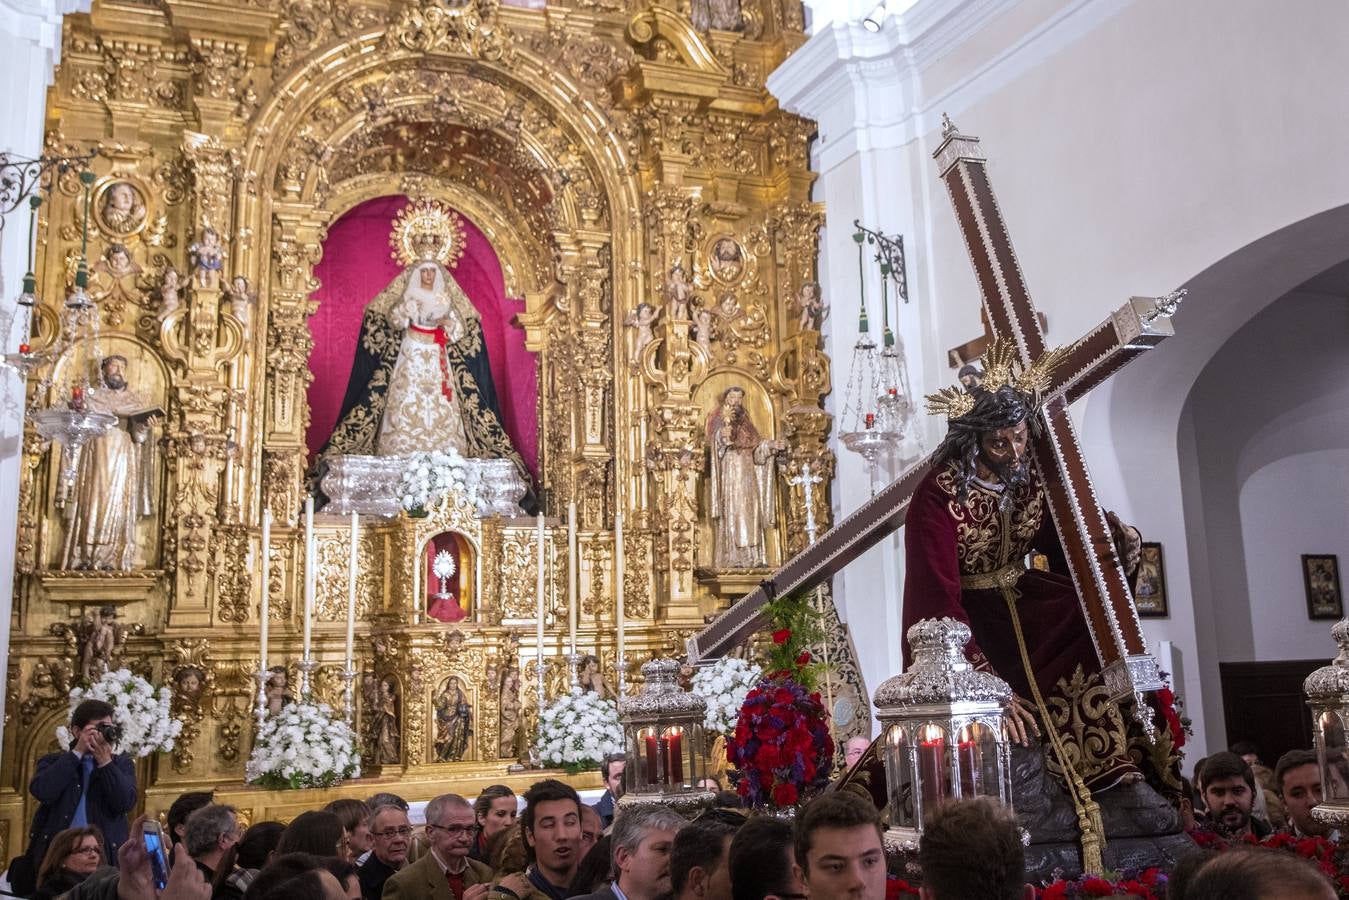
x: 726, y: 260
x: 119, y: 209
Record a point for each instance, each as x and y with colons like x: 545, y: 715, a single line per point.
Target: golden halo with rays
x: 427, y: 230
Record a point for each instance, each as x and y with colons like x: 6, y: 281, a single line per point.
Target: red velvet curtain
x: 357, y: 265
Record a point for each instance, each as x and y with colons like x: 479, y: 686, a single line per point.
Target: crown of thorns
x: 1002, y: 368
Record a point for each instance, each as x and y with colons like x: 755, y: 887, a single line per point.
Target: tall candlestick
x: 619, y: 623
x: 353, y: 569
x: 573, y: 563
x: 264, y: 607
x: 264, y: 613
x: 539, y: 623
x: 349, y: 673
x: 309, y: 561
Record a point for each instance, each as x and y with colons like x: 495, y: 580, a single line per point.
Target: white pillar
x: 30, y: 45
x: 873, y: 167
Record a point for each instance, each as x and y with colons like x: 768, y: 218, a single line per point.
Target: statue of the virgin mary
x: 421, y: 380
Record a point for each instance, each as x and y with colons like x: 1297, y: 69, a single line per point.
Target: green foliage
x: 794, y: 629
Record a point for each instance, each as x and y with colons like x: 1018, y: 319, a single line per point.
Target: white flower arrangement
x: 578, y: 730
x: 430, y: 476
x: 141, y: 711
x: 724, y: 685
x: 303, y: 746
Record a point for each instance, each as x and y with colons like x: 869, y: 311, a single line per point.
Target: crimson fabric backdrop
x: 357, y: 265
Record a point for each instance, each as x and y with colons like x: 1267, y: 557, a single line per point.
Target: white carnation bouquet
x: 724, y: 685
x: 430, y: 476
x: 141, y: 711
x: 303, y: 746
x: 578, y: 731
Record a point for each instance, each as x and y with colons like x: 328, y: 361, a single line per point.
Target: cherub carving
x: 101, y: 642
x: 811, y: 304
x: 208, y: 258
x: 169, y: 286
x: 702, y: 326
x: 241, y: 303
x: 642, y: 318
x: 678, y: 292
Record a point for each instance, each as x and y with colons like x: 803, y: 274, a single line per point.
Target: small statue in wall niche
x: 678, y: 292
x: 811, y: 303
x: 169, y: 285
x: 382, y: 732
x: 511, y: 739
x: 642, y: 318
x: 723, y: 15
x: 453, y: 720
x: 241, y: 303
x: 208, y: 259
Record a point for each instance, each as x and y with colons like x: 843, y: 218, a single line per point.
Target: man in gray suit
x: 447, y: 872
x: 642, y: 838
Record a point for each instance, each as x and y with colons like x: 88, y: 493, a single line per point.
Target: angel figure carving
x: 811, y: 304
x: 642, y: 319
x: 678, y: 292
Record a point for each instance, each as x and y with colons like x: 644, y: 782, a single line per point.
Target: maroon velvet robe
x: 944, y: 541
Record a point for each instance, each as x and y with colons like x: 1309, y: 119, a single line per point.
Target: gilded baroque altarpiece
x: 599, y: 144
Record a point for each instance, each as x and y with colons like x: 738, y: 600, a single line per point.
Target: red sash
x: 442, y: 340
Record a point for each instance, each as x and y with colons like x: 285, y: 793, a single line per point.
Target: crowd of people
x: 549, y: 845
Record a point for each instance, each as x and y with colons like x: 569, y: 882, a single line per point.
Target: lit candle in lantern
x: 264, y: 605
x: 675, y: 762
x: 968, y: 771
x: 871, y: 420
x: 931, y: 750
x: 652, y: 772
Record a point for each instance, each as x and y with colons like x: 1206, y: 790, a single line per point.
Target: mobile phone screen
x: 159, y: 862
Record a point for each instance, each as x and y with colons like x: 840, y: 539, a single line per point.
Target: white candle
x: 353, y: 569
x: 539, y: 624
x: 618, y: 591
x: 265, y: 605
x: 573, y: 573
x: 309, y: 558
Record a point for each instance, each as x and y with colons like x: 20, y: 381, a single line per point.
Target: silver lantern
x: 663, y: 734
x: 1328, y: 696
x: 941, y: 730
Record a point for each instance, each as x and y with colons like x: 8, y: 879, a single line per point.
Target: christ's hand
x: 1020, y: 721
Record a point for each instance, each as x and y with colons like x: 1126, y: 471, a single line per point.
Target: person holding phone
x: 89, y: 784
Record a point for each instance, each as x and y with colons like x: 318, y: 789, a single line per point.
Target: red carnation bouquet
x: 1149, y: 884
x: 781, y: 751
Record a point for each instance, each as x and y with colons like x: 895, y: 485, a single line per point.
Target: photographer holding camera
x: 89, y: 784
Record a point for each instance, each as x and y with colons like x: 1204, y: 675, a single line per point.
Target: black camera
x: 111, y: 733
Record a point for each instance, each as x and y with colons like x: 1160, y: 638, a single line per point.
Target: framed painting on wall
x: 1150, y: 588
x: 1321, y: 577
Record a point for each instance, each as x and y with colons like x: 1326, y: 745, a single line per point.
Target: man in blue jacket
x: 89, y: 784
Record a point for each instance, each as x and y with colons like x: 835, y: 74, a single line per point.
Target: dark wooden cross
x: 1135, y: 327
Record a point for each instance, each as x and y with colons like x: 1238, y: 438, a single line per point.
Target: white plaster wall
x: 1135, y: 146
x: 1297, y: 505
x: 30, y: 41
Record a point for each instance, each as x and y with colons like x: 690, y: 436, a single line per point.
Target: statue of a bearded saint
x: 742, y: 502
x: 974, y: 520
x: 421, y: 379
x: 114, y: 479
